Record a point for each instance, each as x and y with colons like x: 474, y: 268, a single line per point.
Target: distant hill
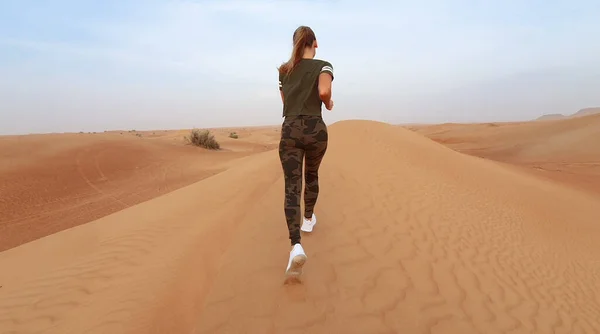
x: 549, y: 117
x: 586, y: 112
x: 580, y: 113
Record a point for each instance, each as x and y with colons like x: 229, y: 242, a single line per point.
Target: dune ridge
x: 587, y: 111
x: 566, y: 151
x: 144, y: 269
x: 412, y: 237
x: 580, y: 113
x: 567, y: 139
x: 550, y: 117
x: 56, y: 181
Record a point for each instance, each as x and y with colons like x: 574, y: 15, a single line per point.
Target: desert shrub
x: 233, y: 135
x: 204, y: 139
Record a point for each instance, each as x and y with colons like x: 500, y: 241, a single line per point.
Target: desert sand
x: 580, y: 113
x: 566, y: 150
x: 451, y: 228
x: 52, y: 182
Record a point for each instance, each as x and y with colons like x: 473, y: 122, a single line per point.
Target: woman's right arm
x: 325, y: 80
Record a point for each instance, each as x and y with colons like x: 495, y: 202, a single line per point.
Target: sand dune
x: 580, y: 113
x: 413, y: 237
x: 586, y: 112
x: 550, y: 117
x: 566, y: 139
x: 565, y: 150
x: 53, y: 182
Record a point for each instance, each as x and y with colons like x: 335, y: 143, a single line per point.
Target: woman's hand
x: 329, y: 105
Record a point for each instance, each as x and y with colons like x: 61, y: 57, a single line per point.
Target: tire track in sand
x: 92, y: 185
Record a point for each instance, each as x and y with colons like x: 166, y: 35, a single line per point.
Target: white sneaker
x: 308, y: 224
x: 297, y: 260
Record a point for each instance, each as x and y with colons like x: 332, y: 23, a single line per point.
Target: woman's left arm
x: 281, y: 87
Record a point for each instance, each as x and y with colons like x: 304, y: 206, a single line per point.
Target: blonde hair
x: 303, y: 37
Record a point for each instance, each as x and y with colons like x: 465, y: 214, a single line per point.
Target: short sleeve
x: 280, y: 81
x: 327, y: 68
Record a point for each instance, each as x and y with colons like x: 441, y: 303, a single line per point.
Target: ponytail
x: 303, y: 37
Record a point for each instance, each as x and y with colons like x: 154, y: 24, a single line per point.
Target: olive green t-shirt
x: 300, y: 88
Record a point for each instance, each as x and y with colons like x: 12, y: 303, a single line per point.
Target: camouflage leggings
x: 301, y: 137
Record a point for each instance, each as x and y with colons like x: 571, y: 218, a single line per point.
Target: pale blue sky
x: 96, y: 65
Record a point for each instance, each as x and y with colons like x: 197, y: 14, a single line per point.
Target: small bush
x: 233, y: 135
x: 204, y: 139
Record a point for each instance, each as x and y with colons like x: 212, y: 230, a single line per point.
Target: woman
x: 304, y: 85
